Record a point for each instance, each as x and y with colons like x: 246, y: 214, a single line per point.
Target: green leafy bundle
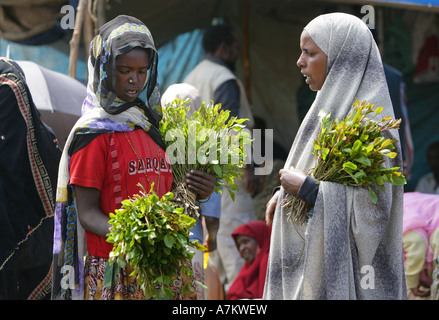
x: 152, y: 235
x: 209, y: 140
x: 351, y: 151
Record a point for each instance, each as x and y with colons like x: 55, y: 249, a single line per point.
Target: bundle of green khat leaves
x: 351, y: 151
x: 210, y: 141
x: 152, y: 235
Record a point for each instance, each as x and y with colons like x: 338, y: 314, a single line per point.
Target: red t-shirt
x: 108, y: 163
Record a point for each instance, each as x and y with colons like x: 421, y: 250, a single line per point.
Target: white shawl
x: 352, y: 248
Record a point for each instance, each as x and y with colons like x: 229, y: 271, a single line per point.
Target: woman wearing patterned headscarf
x: 349, y: 248
x: 112, y: 148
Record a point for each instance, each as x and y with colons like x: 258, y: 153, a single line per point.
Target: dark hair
x: 215, y: 35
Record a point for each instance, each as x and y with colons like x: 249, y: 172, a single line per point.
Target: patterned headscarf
x: 115, y: 38
x: 102, y: 111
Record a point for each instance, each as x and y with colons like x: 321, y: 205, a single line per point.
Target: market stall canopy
x: 167, y: 19
x: 31, y: 21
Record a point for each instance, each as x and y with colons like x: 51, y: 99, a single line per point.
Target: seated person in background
x: 420, y: 241
x: 429, y: 183
x: 253, y: 243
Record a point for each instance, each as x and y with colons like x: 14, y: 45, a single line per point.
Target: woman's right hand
x: 270, y: 207
x: 292, y: 179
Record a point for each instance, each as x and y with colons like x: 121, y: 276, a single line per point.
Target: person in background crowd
x: 215, y: 80
x: 429, y: 183
x: 210, y: 210
x: 253, y: 243
x: 29, y: 157
x: 420, y: 241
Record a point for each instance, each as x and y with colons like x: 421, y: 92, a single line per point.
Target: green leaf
x: 398, y: 181
x: 325, y: 152
x: 167, y: 197
x: 380, y: 181
x: 217, y: 170
x: 232, y: 195
x: 386, y: 143
x: 391, y: 155
x: 356, y: 147
x: 178, y: 210
x: 363, y: 160
x: 349, y: 165
x: 360, y: 175
x: 121, y: 262
x: 168, y: 292
x: 316, y: 145
x: 198, y: 246
x: 200, y: 284
x: 373, y: 196
x: 169, y: 241
x: 378, y: 110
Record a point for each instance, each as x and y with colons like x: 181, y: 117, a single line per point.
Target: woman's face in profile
x: 312, y: 62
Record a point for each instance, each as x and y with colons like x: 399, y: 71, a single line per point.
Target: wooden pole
x: 88, y: 32
x: 76, y: 37
x: 96, y: 9
x: 100, y: 13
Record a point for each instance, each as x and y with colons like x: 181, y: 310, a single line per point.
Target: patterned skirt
x: 101, y: 283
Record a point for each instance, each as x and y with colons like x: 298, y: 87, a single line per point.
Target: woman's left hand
x: 201, y: 183
x: 292, y: 179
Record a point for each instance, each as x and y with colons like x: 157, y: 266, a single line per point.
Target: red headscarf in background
x: 249, y: 284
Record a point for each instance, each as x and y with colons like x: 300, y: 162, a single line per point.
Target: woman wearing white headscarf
x: 351, y: 248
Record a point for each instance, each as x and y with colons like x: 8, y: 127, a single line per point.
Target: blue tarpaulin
x: 178, y: 57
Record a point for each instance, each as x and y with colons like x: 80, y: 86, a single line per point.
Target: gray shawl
x: 351, y: 248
